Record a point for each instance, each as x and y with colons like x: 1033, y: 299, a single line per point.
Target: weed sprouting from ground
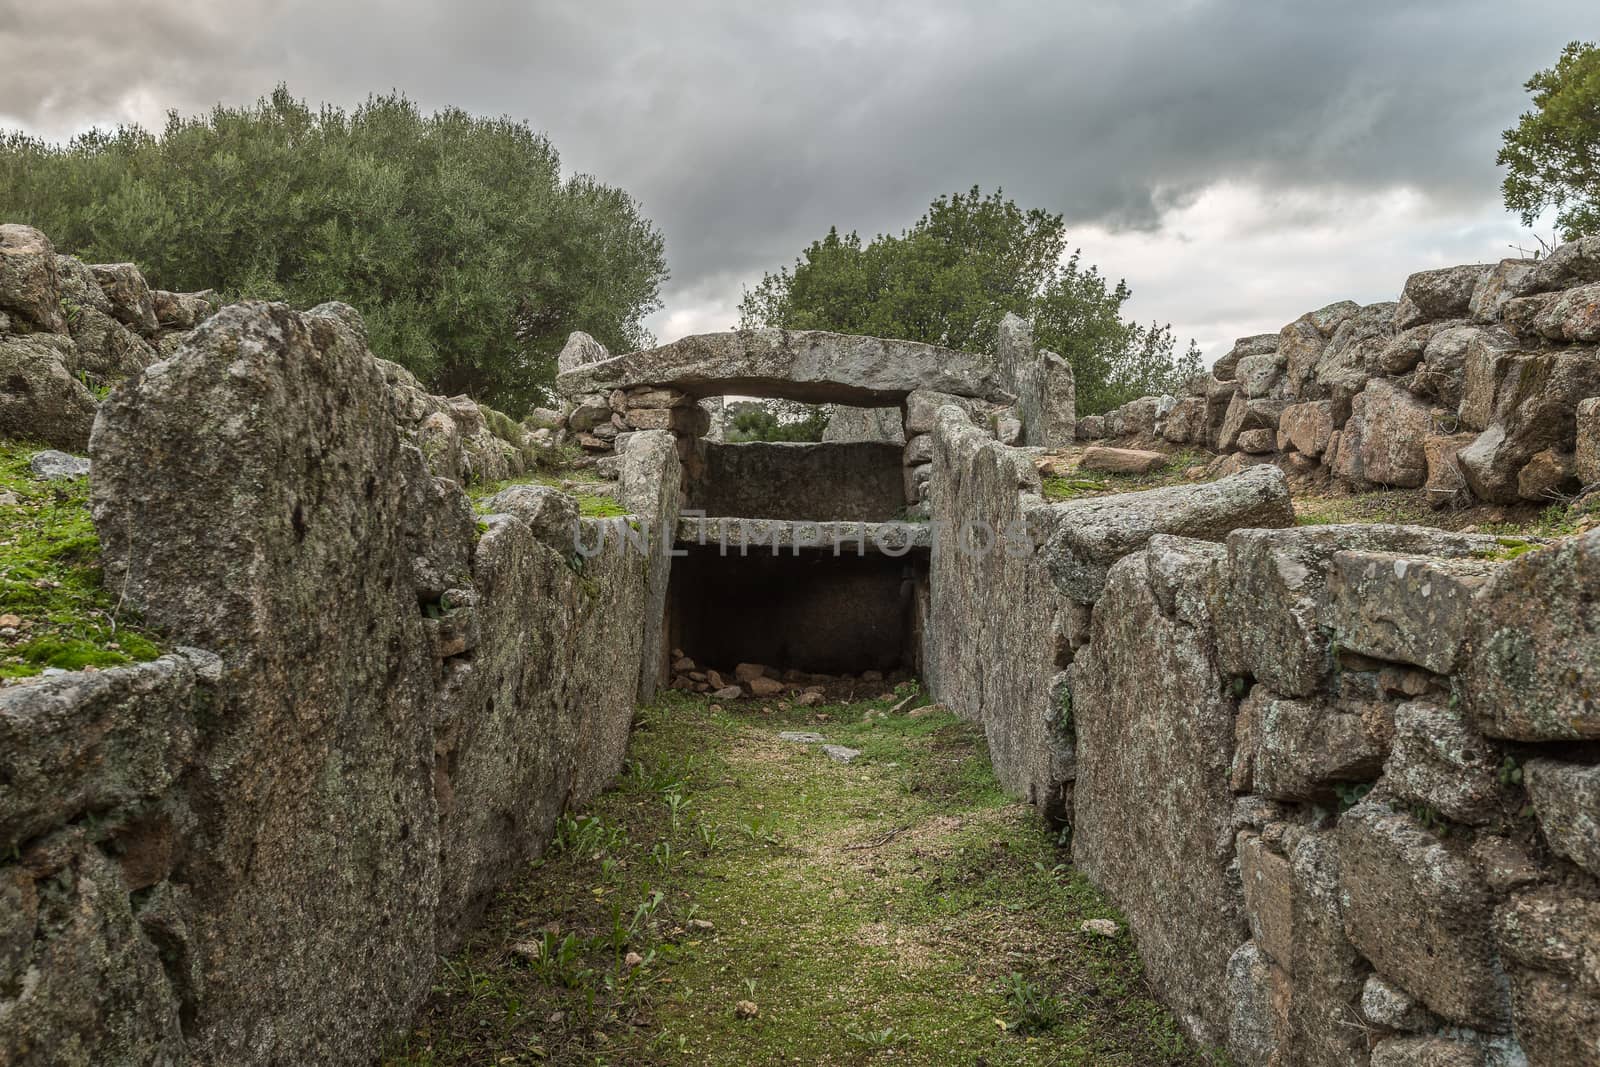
x: 737, y: 899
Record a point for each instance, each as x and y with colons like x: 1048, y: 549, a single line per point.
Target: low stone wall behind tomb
x: 1343, y: 781
x: 1479, y: 383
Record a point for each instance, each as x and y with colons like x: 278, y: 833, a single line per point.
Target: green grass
x: 1082, y: 483
x: 1400, y: 506
x: 1557, y: 520
x: 1513, y: 523
x: 898, y: 909
x: 50, y: 578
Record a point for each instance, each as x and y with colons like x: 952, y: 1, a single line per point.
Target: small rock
x: 728, y: 692
x: 1100, y: 927
x: 715, y: 680
x: 683, y: 663
x: 808, y: 699
x: 50, y: 465
x: 1121, y: 460
x: 802, y: 737
x: 10, y: 621
x: 746, y: 1009
x: 9, y: 499
x: 840, y: 754
x: 1391, y: 1007
x: 701, y: 924
x: 632, y: 959
x: 765, y: 687
x: 531, y: 950
x: 748, y: 672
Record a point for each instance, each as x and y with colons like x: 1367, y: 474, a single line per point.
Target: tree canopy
x: 949, y: 279
x: 776, y: 420
x: 456, y: 236
x: 1552, y: 155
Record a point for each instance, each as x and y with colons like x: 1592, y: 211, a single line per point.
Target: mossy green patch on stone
x: 50, y: 579
x: 593, y: 506
x: 740, y: 899
x: 590, y: 505
x: 1508, y: 548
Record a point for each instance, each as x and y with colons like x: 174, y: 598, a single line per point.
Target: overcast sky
x: 1238, y: 162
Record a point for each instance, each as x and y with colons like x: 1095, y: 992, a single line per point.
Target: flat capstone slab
x: 847, y: 538
x: 813, y: 366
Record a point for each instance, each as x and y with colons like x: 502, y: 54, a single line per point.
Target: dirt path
x: 742, y: 899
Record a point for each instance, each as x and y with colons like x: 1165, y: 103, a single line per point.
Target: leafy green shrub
x: 467, y: 253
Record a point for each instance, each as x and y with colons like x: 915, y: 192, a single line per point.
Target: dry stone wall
x: 255, y: 849
x: 70, y: 329
x: 1341, y: 780
x: 1479, y: 383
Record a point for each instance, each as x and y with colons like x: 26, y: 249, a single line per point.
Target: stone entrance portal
x: 810, y: 558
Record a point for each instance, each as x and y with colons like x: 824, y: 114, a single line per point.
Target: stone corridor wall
x: 255, y: 849
x: 1343, y: 781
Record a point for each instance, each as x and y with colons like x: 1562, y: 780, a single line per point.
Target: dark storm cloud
x: 747, y: 128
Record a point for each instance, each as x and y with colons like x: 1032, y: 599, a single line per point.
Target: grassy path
x: 741, y: 899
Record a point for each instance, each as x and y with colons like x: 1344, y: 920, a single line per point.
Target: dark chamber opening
x: 814, y: 612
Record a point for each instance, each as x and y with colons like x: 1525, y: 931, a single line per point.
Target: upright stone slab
x: 991, y: 605
x: 1152, y: 811
x: 649, y: 485
x: 250, y: 498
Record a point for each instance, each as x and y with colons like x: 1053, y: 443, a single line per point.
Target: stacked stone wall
x: 1341, y: 780
x: 1481, y: 383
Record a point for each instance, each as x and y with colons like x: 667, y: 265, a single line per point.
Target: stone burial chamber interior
x: 1341, y: 781
x: 809, y: 611
x: 828, y: 599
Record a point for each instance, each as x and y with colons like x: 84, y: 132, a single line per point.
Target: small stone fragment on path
x: 841, y: 754
x: 50, y: 465
x: 803, y: 737
x: 1100, y: 927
